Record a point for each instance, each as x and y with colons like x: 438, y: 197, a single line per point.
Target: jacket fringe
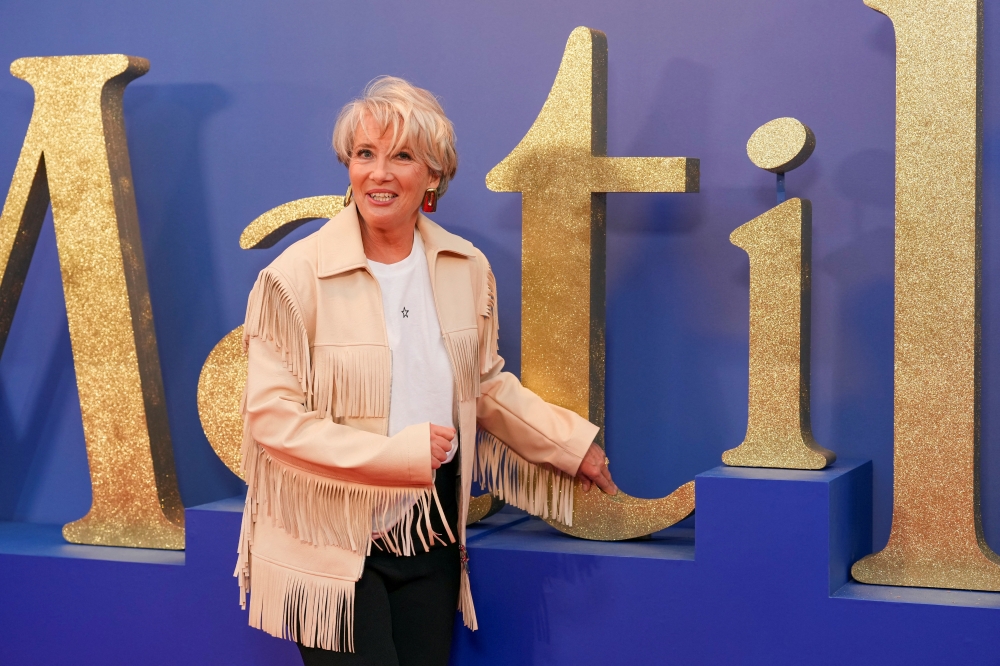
x: 328, y: 512
x: 317, y: 611
x: 351, y: 382
x: 273, y: 315
x: 248, y: 465
x: 491, y: 338
x: 541, y: 492
x: 465, y: 605
x: 463, y: 346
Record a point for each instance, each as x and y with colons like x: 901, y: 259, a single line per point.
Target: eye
x: 404, y: 155
x: 364, y: 153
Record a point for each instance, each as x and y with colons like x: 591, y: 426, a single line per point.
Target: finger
x: 585, y: 483
x: 435, y: 463
x: 445, y: 432
x: 438, y: 452
x: 605, y: 484
x: 606, y: 474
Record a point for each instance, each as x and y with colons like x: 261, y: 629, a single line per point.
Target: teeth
x: 382, y: 196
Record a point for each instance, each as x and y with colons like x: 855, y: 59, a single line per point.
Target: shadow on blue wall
x: 44, y: 477
x: 166, y: 127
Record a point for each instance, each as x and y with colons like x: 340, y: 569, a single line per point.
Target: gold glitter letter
x: 562, y: 171
x: 75, y: 150
x: 779, y: 243
x: 937, y: 537
x: 224, y: 374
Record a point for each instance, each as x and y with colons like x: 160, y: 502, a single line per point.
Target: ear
x: 434, y: 181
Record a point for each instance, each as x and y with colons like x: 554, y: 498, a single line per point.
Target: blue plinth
x: 763, y: 578
x: 68, y: 604
x: 765, y: 581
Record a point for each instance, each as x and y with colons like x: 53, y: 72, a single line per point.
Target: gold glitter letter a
x: 937, y: 536
x: 562, y: 170
x: 75, y: 153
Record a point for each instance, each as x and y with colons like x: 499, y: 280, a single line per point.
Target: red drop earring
x: 430, y: 201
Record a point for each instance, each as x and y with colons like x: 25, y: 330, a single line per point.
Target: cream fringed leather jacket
x: 322, y: 475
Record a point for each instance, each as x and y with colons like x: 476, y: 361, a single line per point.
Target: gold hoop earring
x: 348, y: 198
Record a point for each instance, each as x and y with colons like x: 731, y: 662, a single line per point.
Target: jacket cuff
x: 416, y: 441
x: 571, y: 453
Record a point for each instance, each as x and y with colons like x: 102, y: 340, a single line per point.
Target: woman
x: 373, y: 361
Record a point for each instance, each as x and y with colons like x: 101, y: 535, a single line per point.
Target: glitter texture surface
x: 224, y: 374
x: 220, y: 390
x: 781, y: 145
x: 779, y: 243
x: 936, y: 538
x: 562, y: 170
x: 282, y: 220
x: 483, y: 506
x: 77, y: 123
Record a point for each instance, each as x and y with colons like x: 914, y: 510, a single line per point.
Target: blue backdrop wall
x: 235, y: 117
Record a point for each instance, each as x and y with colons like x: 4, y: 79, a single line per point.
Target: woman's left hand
x: 594, y: 470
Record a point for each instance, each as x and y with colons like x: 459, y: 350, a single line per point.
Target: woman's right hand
x: 442, y: 438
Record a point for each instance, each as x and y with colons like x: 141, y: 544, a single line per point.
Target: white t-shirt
x: 423, y: 386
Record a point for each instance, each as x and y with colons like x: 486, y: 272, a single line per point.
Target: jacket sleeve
x: 277, y: 419
x: 537, y: 431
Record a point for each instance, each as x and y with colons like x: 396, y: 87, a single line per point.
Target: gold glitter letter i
x: 779, y: 243
x: 778, y: 430
x: 562, y: 170
x: 75, y: 151
x: 937, y: 537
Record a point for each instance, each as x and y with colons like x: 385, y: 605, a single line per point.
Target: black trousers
x: 404, y: 607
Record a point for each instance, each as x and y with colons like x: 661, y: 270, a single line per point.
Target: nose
x: 381, y: 172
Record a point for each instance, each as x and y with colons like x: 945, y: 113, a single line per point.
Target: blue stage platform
x: 763, y: 578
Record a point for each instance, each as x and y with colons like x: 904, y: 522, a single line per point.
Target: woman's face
x: 387, y: 185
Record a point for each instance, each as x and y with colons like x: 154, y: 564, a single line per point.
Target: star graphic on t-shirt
x: 405, y: 313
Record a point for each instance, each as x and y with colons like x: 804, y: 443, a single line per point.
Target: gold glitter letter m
x: 937, y: 535
x: 75, y: 154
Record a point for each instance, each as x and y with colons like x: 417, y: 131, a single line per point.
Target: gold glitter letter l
x: 937, y: 536
x: 75, y: 150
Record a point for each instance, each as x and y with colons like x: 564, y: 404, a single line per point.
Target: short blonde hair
x: 415, y: 117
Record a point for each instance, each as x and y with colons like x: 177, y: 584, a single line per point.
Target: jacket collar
x: 341, y: 250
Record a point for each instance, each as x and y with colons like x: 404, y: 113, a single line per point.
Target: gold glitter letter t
x: 75, y: 154
x: 937, y: 536
x: 562, y: 170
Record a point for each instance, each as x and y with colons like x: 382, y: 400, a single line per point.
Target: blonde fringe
x: 273, y: 315
x: 491, y: 335
x: 541, y: 492
x: 351, y: 381
x: 317, y: 611
x: 463, y: 346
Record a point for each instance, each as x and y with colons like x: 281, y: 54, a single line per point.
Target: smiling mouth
x: 381, y: 197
